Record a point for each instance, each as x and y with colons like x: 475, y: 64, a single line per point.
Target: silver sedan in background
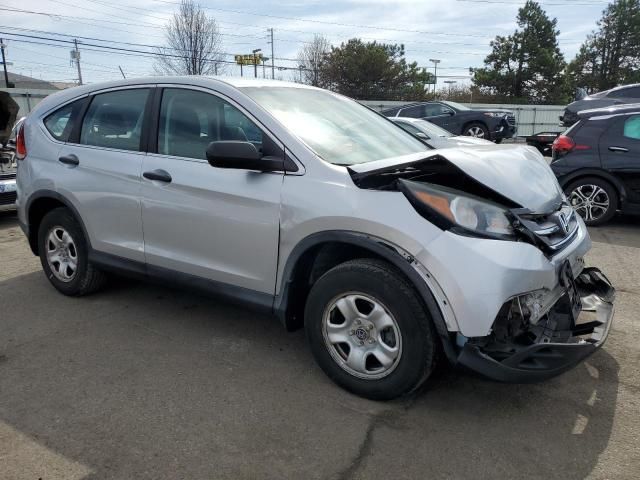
x: 435, y: 136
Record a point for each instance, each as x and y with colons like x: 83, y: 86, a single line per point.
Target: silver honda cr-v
x: 306, y: 204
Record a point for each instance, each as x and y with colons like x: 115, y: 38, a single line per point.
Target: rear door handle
x: 618, y: 149
x: 158, y: 175
x: 70, y: 159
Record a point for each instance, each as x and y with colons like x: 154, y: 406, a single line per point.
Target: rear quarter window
x: 60, y: 123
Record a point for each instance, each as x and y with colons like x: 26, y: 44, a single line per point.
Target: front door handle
x: 158, y: 175
x: 618, y: 149
x: 70, y: 159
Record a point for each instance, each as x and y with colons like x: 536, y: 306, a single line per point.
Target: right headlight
x: 459, y: 212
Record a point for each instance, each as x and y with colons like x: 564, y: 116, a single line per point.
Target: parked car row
x: 312, y: 207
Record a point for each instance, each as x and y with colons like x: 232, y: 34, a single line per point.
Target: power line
x: 117, y: 50
x: 323, y: 22
x: 545, y: 4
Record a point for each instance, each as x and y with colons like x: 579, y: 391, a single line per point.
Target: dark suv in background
x: 494, y: 125
x: 597, y: 162
x: 616, y: 96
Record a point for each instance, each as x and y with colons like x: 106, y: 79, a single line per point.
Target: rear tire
x: 595, y: 200
x: 64, y: 255
x: 385, y: 345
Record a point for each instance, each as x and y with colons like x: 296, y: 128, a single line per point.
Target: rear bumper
x: 560, y: 348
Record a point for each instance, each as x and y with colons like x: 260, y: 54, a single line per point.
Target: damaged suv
x: 309, y: 206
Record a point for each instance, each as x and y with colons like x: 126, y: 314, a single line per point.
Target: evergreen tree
x: 373, y: 71
x: 611, y: 55
x: 526, y: 66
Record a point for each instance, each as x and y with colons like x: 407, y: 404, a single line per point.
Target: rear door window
x: 416, y: 111
x: 435, y: 109
x: 114, y: 119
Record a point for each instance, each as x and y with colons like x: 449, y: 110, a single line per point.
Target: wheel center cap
x: 361, y: 334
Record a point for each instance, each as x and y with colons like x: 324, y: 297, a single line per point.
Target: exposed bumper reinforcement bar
x: 548, y: 358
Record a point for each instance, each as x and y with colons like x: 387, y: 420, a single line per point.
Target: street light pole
x: 435, y: 62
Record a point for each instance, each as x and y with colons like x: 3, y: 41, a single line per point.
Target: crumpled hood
x: 518, y: 173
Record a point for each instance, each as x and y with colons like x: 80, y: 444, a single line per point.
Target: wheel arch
x: 594, y: 172
x: 474, y: 121
x: 319, y: 252
x: 39, y: 204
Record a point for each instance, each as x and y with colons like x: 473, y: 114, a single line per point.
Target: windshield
x: 431, y: 129
x: 457, y: 106
x: 337, y: 129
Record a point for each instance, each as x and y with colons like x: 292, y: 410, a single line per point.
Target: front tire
x: 369, y: 331
x: 64, y: 255
x: 595, y: 200
x: 477, y: 130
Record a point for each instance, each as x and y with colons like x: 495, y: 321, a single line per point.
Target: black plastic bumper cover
x: 545, y: 360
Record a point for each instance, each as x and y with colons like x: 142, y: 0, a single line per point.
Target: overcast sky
x: 455, y: 31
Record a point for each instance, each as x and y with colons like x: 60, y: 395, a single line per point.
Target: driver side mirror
x: 448, y: 111
x: 241, y: 155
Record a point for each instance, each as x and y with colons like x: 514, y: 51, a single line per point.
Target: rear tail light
x: 21, y: 146
x: 565, y: 144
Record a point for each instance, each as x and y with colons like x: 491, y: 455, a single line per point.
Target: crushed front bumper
x: 569, y: 333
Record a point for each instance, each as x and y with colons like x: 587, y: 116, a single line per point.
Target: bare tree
x: 194, y: 44
x: 310, y: 59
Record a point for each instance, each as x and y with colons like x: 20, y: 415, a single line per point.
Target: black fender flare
x: 33, y: 235
x: 565, y: 180
x: 400, y: 259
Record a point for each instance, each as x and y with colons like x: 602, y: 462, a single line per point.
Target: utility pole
x: 255, y: 61
x: 4, y: 63
x: 75, y: 56
x: 435, y: 62
x: 273, y: 68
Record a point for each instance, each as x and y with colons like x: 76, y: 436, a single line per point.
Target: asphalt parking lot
x: 146, y: 382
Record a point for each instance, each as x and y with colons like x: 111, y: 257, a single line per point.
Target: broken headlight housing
x: 459, y: 212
